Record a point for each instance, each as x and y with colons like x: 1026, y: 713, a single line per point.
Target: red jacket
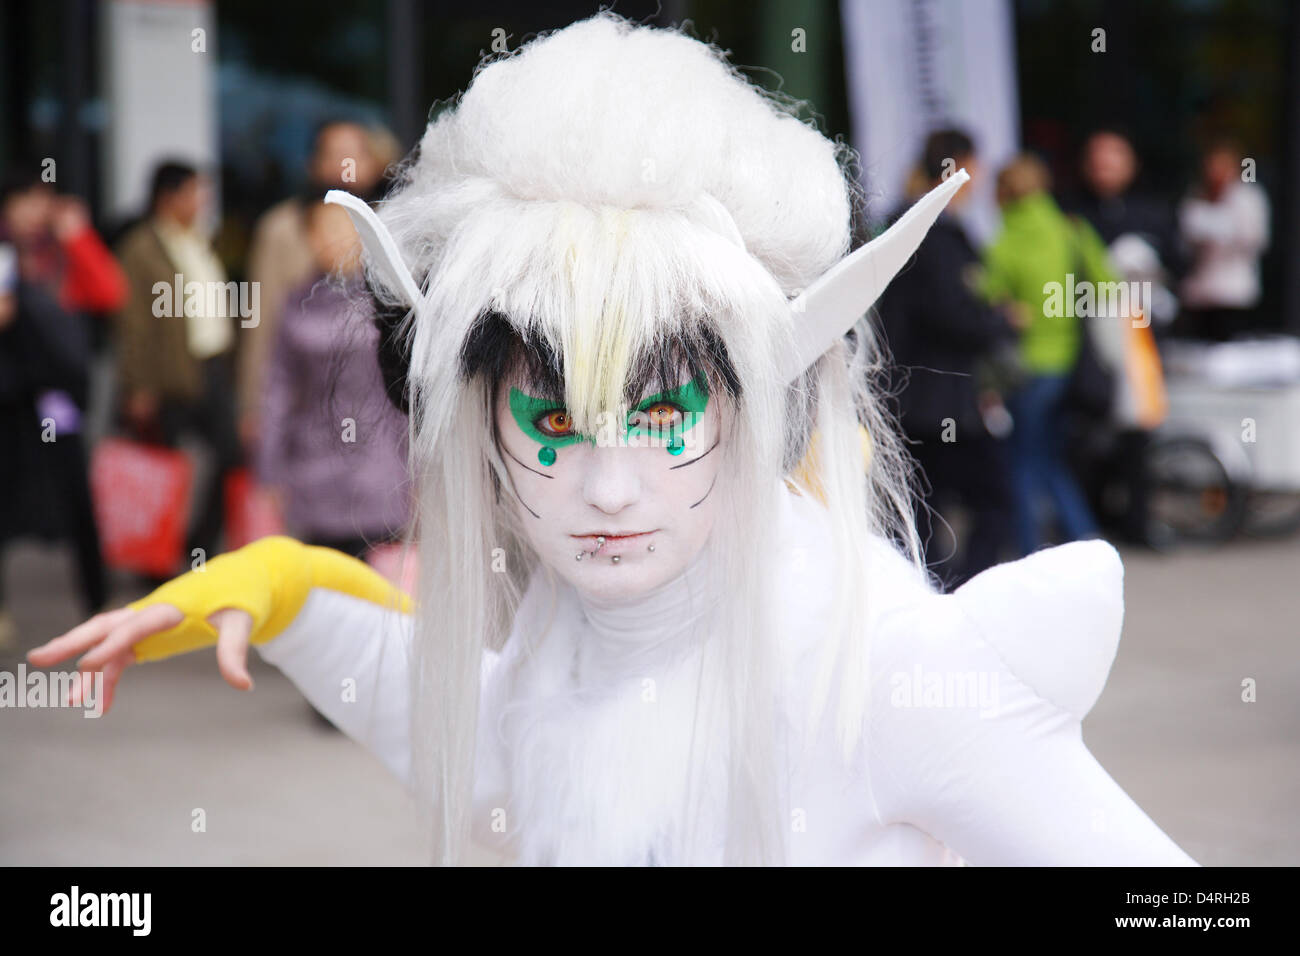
x: 92, y: 279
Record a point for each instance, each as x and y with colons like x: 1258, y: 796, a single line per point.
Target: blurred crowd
x: 1001, y: 392
x: 275, y: 377
x: 1027, y: 374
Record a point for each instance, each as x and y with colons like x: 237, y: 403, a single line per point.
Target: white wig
x: 611, y: 191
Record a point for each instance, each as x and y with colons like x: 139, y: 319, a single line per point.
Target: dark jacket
x: 937, y: 327
x: 1133, y: 213
x: 43, y: 348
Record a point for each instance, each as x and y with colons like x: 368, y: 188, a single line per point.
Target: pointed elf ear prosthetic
x: 824, y: 312
x: 827, y: 309
x: 394, y: 363
x: 378, y: 241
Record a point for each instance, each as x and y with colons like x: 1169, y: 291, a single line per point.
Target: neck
x: 169, y: 222
x: 633, y: 636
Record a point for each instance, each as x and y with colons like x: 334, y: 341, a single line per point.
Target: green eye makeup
x: 544, y: 420
x: 673, y: 412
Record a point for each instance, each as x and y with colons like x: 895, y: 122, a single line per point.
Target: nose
x: 612, y: 481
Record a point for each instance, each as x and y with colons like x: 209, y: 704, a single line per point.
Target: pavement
x: 271, y: 785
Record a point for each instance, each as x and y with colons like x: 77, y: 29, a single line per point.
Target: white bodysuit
x: 974, y: 749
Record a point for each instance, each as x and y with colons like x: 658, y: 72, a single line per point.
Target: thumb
x: 234, y: 627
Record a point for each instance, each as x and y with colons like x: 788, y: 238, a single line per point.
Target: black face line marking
x: 533, y: 470
x: 519, y: 497
x: 694, y: 460
x: 525, y: 504
x: 501, y: 446
x: 711, y: 484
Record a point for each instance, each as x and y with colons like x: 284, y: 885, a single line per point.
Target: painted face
x: 645, y: 482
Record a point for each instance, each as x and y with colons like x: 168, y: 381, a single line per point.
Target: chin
x: 635, y: 574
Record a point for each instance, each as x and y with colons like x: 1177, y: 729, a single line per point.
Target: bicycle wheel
x: 1192, y: 496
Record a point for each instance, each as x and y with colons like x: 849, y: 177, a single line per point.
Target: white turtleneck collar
x: 630, y: 637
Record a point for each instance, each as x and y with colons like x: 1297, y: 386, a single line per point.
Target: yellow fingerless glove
x: 270, y: 579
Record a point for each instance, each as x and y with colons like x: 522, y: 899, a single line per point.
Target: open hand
x: 108, y: 641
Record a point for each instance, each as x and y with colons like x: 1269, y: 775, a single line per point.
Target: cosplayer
x: 665, y: 615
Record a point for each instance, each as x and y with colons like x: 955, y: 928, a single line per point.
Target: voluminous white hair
x: 609, y: 188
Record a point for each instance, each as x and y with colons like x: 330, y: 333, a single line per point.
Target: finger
x: 150, y: 620
x: 80, y: 638
x: 233, y: 629
x: 113, y: 671
x: 111, y: 674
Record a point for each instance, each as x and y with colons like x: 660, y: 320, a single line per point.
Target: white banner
x: 160, y: 83
x: 914, y: 66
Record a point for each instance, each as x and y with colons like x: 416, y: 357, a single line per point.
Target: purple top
x: 330, y: 438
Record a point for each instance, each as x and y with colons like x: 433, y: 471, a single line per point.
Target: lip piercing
x: 600, y: 543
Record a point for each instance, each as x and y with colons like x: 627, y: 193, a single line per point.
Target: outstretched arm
x: 338, y: 629
x: 977, y: 710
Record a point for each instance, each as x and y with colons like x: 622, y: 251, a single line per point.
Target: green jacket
x: 1037, y: 247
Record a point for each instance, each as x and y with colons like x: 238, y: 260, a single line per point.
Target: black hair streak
x: 495, y: 348
x: 394, y: 356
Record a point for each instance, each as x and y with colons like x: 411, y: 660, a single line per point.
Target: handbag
x: 141, y: 495
x: 1090, y: 390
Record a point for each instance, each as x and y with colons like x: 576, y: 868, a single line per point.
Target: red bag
x: 142, y: 505
x: 251, y: 510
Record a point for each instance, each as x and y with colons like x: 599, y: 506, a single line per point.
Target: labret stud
x: 600, y: 543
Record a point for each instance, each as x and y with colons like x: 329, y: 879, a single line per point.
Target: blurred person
x: 175, y: 369
x: 1140, y: 232
x: 1112, y: 202
x: 331, y: 445
x: 345, y: 155
x: 938, y: 328
x: 44, y: 487
x: 1037, y: 247
x: 1224, y: 224
x: 64, y: 276
x: 56, y: 244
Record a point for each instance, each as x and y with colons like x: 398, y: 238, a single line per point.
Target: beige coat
x: 280, y: 261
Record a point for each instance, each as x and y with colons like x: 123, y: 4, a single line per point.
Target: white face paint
x: 626, y: 484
